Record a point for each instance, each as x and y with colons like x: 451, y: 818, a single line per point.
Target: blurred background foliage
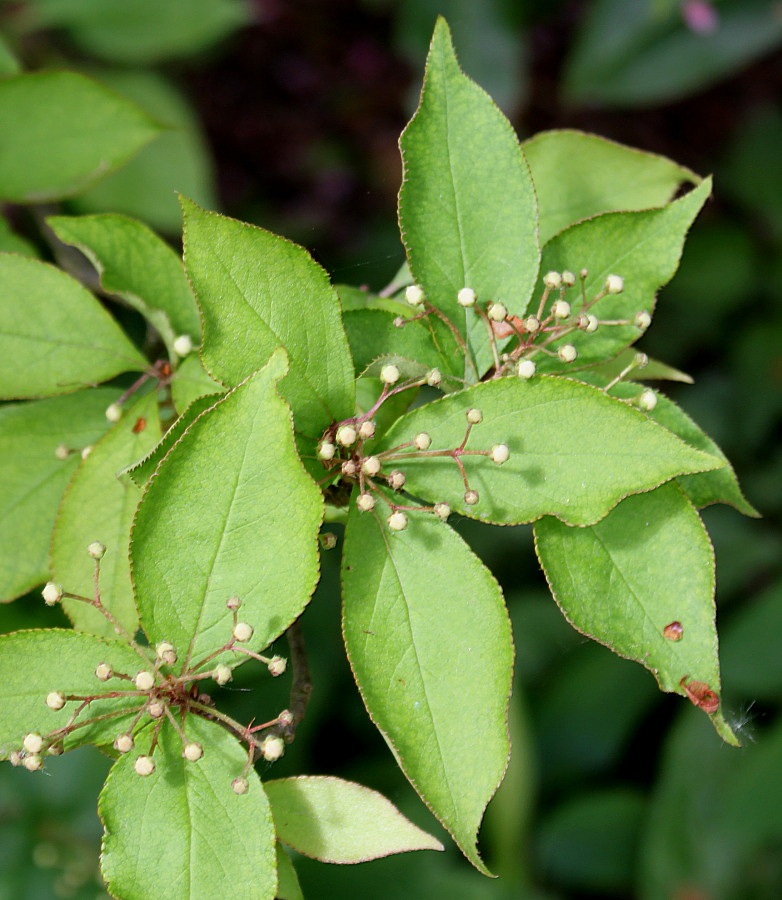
x: 286, y: 113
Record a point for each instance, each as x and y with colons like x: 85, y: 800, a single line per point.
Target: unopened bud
x: 647, y: 400
x: 474, y: 416
x: 642, y: 319
x: 614, y: 284
x: 144, y: 765
x: 471, y: 497
x: 641, y: 360
x: 568, y: 278
x: 61, y: 451
x: 85, y: 452
x: 144, y: 681
x: 51, y: 593
x: 222, y: 674
x: 166, y: 653
x: 371, y: 466
x: 32, y: 763
x: 349, y: 468
x: 272, y: 747
x: 389, y: 374
x: 525, y: 368
x: 183, y: 345
x: 242, y: 632
x: 55, y: 700
x: 285, y: 718
x: 96, y: 550
x: 414, y: 295
x: 397, y: 521
x: 500, y: 454
x: 442, y: 510
x: 124, y: 743
x: 583, y: 274
x: 567, y: 353
x: 156, y: 709
x: 552, y: 280
x: 399, y: 321
x: 15, y: 758
x: 193, y: 752
x: 497, y: 312
x: 397, y: 480
x: 588, y: 323
x: 233, y: 603
x: 365, y: 502
x: 56, y: 749
x: 33, y: 742
x: 422, y: 440
x: 346, y: 435
x: 367, y: 430
x: 466, y: 297
x: 114, y: 412
x: 328, y: 540
x: 326, y: 450
x: 434, y: 378
x: 532, y: 324
x: 103, y: 672
x: 240, y: 786
x: 277, y: 666
x: 560, y: 309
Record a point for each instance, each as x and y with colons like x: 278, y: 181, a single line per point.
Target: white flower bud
x: 442, y: 510
x: 166, y: 653
x: 240, y: 786
x: 614, y: 284
x: 567, y: 353
x: 55, y: 700
x: 552, y: 280
x: 471, y: 497
x: 85, y: 452
x: 328, y: 540
x: 583, y: 273
x: 647, y: 400
x: 326, y: 450
x: 422, y: 440
x: 365, y: 502
x: 397, y: 480
x: 399, y: 321
x: 466, y: 297
x: 525, y: 368
x: 414, y: 295
x: 222, y: 674
x: 144, y: 681
x: 242, y: 632
x: 51, y: 593
x: 371, y: 466
x: 33, y: 742
x: 183, y: 345
x: 277, y: 666
x: 500, y: 454
x: 434, y: 378
x: 103, y: 672
x: 568, y: 278
x: 144, y: 765
x: 32, y: 763
x: 193, y: 752
x: 15, y: 758
x: 588, y: 323
x: 497, y: 312
x: 156, y: 710
x: 233, y: 603
x: 346, y: 435
x: 96, y: 550
x: 641, y: 360
x: 532, y: 324
x: 124, y: 743
x: 114, y: 412
x: 367, y: 430
x: 56, y: 749
x: 642, y: 319
x: 272, y: 747
x: 349, y: 468
x: 61, y: 451
x: 397, y: 521
x: 474, y: 416
x: 560, y: 309
x: 285, y: 718
x: 389, y: 374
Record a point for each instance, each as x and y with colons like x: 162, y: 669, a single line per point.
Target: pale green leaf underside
x: 644, y: 248
x: 647, y: 564
x: 98, y: 506
x: 339, y: 821
x: 467, y: 207
x: 578, y: 175
x: 34, y: 663
x: 181, y: 833
x: 54, y: 335
x: 135, y: 264
x: 429, y: 641
x: 32, y: 479
x: 258, y: 291
x: 372, y: 334
x: 288, y: 887
x: 574, y: 452
x: 61, y: 132
x: 230, y: 511
x: 654, y: 370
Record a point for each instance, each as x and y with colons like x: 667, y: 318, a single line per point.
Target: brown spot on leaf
x: 673, y: 632
x: 701, y: 695
x: 140, y: 425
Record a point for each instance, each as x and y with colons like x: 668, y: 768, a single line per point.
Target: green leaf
x: 34, y: 663
x: 54, y: 335
x: 257, y: 292
x: 190, y: 382
x: 338, y: 821
x: 10, y: 242
x: 372, y: 334
x: 226, y: 506
x: 135, y: 264
x: 654, y: 370
x: 578, y: 175
x: 177, y: 161
x: 288, y: 887
x: 32, y: 478
x: 646, y: 565
x: 181, y: 832
x: 644, y: 248
x: 353, y: 298
x: 574, y: 452
x: 98, y: 506
x: 467, y: 207
x: 424, y: 622
x: 62, y: 132
x: 9, y: 64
